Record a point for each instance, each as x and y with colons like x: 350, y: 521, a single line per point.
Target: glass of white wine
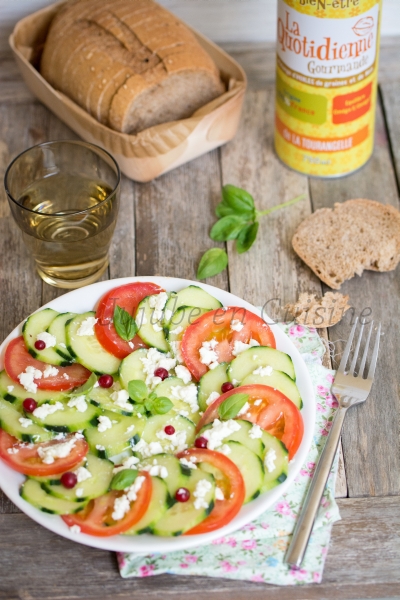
x: 64, y: 196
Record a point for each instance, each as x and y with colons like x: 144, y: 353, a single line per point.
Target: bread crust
x: 354, y: 236
x: 113, y: 56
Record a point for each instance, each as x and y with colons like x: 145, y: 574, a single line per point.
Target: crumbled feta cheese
x: 128, y: 463
x: 168, y: 314
x: 183, y: 413
x: 104, y: 424
x: 120, y: 399
x: 157, y: 471
x: 257, y: 402
x: 10, y: 388
x: 79, y: 435
x: 213, y: 365
x: 225, y: 449
x: 157, y: 302
x: 146, y: 449
x: 130, y: 429
x: 219, y: 431
x: 255, y: 432
x: 62, y: 345
x: 212, y: 397
x: 176, y: 351
x: 183, y: 373
x: 157, y: 328
x: 100, y: 448
x: 219, y: 494
x: 47, y: 338
x: 47, y: 409
x: 131, y: 345
x: 79, y: 403
x: 155, y: 360
x: 13, y: 450
x: 239, y: 347
x: 79, y: 492
x: 25, y: 422
x: 177, y: 330
x: 26, y: 379
x: 188, y: 462
x: 244, y: 409
x: 122, y: 504
x: 82, y: 474
x: 60, y: 436
x: 176, y: 441
x: 264, y: 371
x: 53, y: 451
x: 187, y: 394
x: 50, y: 371
x: 203, y: 486
x: 87, y: 326
x: 208, y: 354
x: 235, y: 382
x: 237, y: 325
x: 75, y: 529
x: 269, y: 460
x: 66, y: 376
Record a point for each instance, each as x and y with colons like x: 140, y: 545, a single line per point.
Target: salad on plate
x: 158, y: 412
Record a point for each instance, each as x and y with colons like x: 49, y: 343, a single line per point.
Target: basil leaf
x: 229, y: 408
x: 137, y: 390
x: 123, y: 479
x: 86, y: 387
x: 223, y: 210
x: 124, y: 324
x: 239, y: 200
x: 159, y: 406
x: 152, y: 396
x: 227, y: 228
x: 212, y: 262
x: 247, y: 237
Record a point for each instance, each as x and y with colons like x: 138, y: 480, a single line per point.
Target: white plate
x: 86, y: 299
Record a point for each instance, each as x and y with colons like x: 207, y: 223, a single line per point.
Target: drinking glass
x: 64, y: 196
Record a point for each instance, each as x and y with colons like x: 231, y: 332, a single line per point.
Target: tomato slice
x: 127, y: 297
x: 216, y: 324
x: 17, y: 358
x: 25, y: 458
x: 228, y: 479
x: 275, y: 413
x: 96, y: 518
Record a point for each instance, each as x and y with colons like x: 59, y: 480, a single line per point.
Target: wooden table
x: 163, y: 230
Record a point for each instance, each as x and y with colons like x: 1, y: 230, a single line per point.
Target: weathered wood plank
x: 367, y: 525
x: 371, y: 431
x: 390, y: 92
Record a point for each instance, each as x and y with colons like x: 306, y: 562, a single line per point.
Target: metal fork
x: 349, y: 389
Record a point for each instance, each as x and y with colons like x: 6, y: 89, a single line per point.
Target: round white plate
x: 86, y: 299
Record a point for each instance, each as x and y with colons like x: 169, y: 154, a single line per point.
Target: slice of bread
x: 319, y: 312
x: 354, y: 236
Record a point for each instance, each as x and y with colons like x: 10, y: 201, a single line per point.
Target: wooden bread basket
x: 156, y: 150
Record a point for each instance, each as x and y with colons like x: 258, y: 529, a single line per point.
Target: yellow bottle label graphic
x: 327, y: 62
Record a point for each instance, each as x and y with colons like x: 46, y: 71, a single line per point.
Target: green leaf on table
x: 137, y: 390
x: 124, y: 479
x: 212, y: 262
x: 247, y: 237
x: 227, y: 228
x: 229, y: 408
x: 223, y: 210
x: 239, y: 200
x: 158, y: 406
x: 86, y: 387
x: 124, y: 324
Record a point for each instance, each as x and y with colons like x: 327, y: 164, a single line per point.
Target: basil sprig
x: 123, y: 479
x: 229, y: 408
x: 158, y: 405
x: 137, y: 390
x: 124, y: 324
x: 139, y: 393
x: 238, y: 219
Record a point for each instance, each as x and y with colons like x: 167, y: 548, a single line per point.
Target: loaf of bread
x: 342, y: 242
x: 129, y: 63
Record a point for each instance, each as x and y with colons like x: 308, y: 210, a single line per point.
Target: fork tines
x: 346, y: 353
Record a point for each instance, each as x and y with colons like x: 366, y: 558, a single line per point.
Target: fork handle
x: 302, y: 531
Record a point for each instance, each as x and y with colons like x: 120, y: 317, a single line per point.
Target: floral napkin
x: 256, y: 551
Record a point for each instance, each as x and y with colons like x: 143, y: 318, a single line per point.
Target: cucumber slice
x: 39, y: 323
x: 177, y: 473
x: 101, y: 397
x: 67, y: 419
x: 242, y: 435
x: 175, y: 389
x: 132, y: 368
x: 211, y: 382
x: 33, y: 492
x: 151, y: 330
x: 10, y: 422
x: 182, y: 318
x: 98, y: 484
x: 261, y: 356
x: 57, y: 328
x: 280, y: 462
x: 87, y: 350
x: 251, y: 467
x: 160, y: 502
x: 17, y: 394
x: 192, y: 295
x: 182, y: 516
x: 279, y: 381
x: 124, y: 433
x: 154, y: 432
